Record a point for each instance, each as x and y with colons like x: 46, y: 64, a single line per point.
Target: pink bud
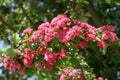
x: 100, y: 78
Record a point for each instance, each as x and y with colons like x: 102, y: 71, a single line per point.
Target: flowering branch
x: 57, y: 45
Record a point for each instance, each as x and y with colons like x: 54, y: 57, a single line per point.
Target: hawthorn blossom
x: 68, y: 73
x: 61, y: 20
x: 42, y: 27
x: 62, y: 54
x: 90, y: 37
x: 73, y: 73
x: 100, y: 78
x: 77, y: 30
x: 49, y: 35
x: 14, y: 66
x: 49, y: 66
x: 27, y: 62
x: 62, y: 77
x: 42, y: 49
x: 27, y: 31
x: 83, y: 44
x: 102, y: 44
x: 50, y: 58
x: 61, y: 35
x: 28, y: 58
x: 107, y: 35
x: 107, y: 28
x: 78, y: 78
x: 7, y: 62
x: 7, y: 59
x: 22, y: 71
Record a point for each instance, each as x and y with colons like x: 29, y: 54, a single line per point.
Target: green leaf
x: 11, y: 52
x: 15, y: 38
x: 74, y: 61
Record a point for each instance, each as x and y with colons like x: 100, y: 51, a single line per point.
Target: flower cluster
x: 38, y: 52
x: 107, y: 34
x: 28, y: 58
x: 67, y: 73
x: 27, y: 31
x: 13, y: 65
x: 61, y: 28
x: 51, y: 58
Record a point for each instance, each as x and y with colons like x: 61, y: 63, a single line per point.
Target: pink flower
x: 41, y: 50
x: 49, y: 66
x: 49, y: 35
x: 43, y: 26
x: 28, y: 42
x: 39, y: 32
x: 7, y: 62
x: 60, y: 21
x: 28, y: 57
x: 107, y: 28
x: 102, y: 44
x: 107, y: 35
x: 14, y: 65
x: 59, y: 17
x: 0, y: 58
x: 77, y: 30
x: 6, y: 66
x: 62, y: 77
x: 90, y: 37
x: 80, y: 23
x: 17, y: 64
x: 22, y: 71
x: 73, y: 73
x: 63, y: 22
x: 61, y: 35
x: 12, y: 68
x: 27, y: 62
x: 27, y: 31
x: 70, y: 34
x: 68, y: 73
x: 29, y: 54
x: 34, y: 38
x: 83, y: 44
x: 78, y: 78
x: 100, y: 78
x: 62, y: 54
x: 66, y: 70
x: 36, y: 35
x: 7, y: 59
x: 49, y: 58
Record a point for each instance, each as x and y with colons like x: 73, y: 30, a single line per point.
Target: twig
x: 26, y: 15
x: 94, y: 14
x: 74, y: 4
x: 6, y: 24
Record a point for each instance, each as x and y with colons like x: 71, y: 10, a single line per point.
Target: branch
x: 25, y: 13
x: 94, y: 14
x: 74, y: 4
x: 6, y: 24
